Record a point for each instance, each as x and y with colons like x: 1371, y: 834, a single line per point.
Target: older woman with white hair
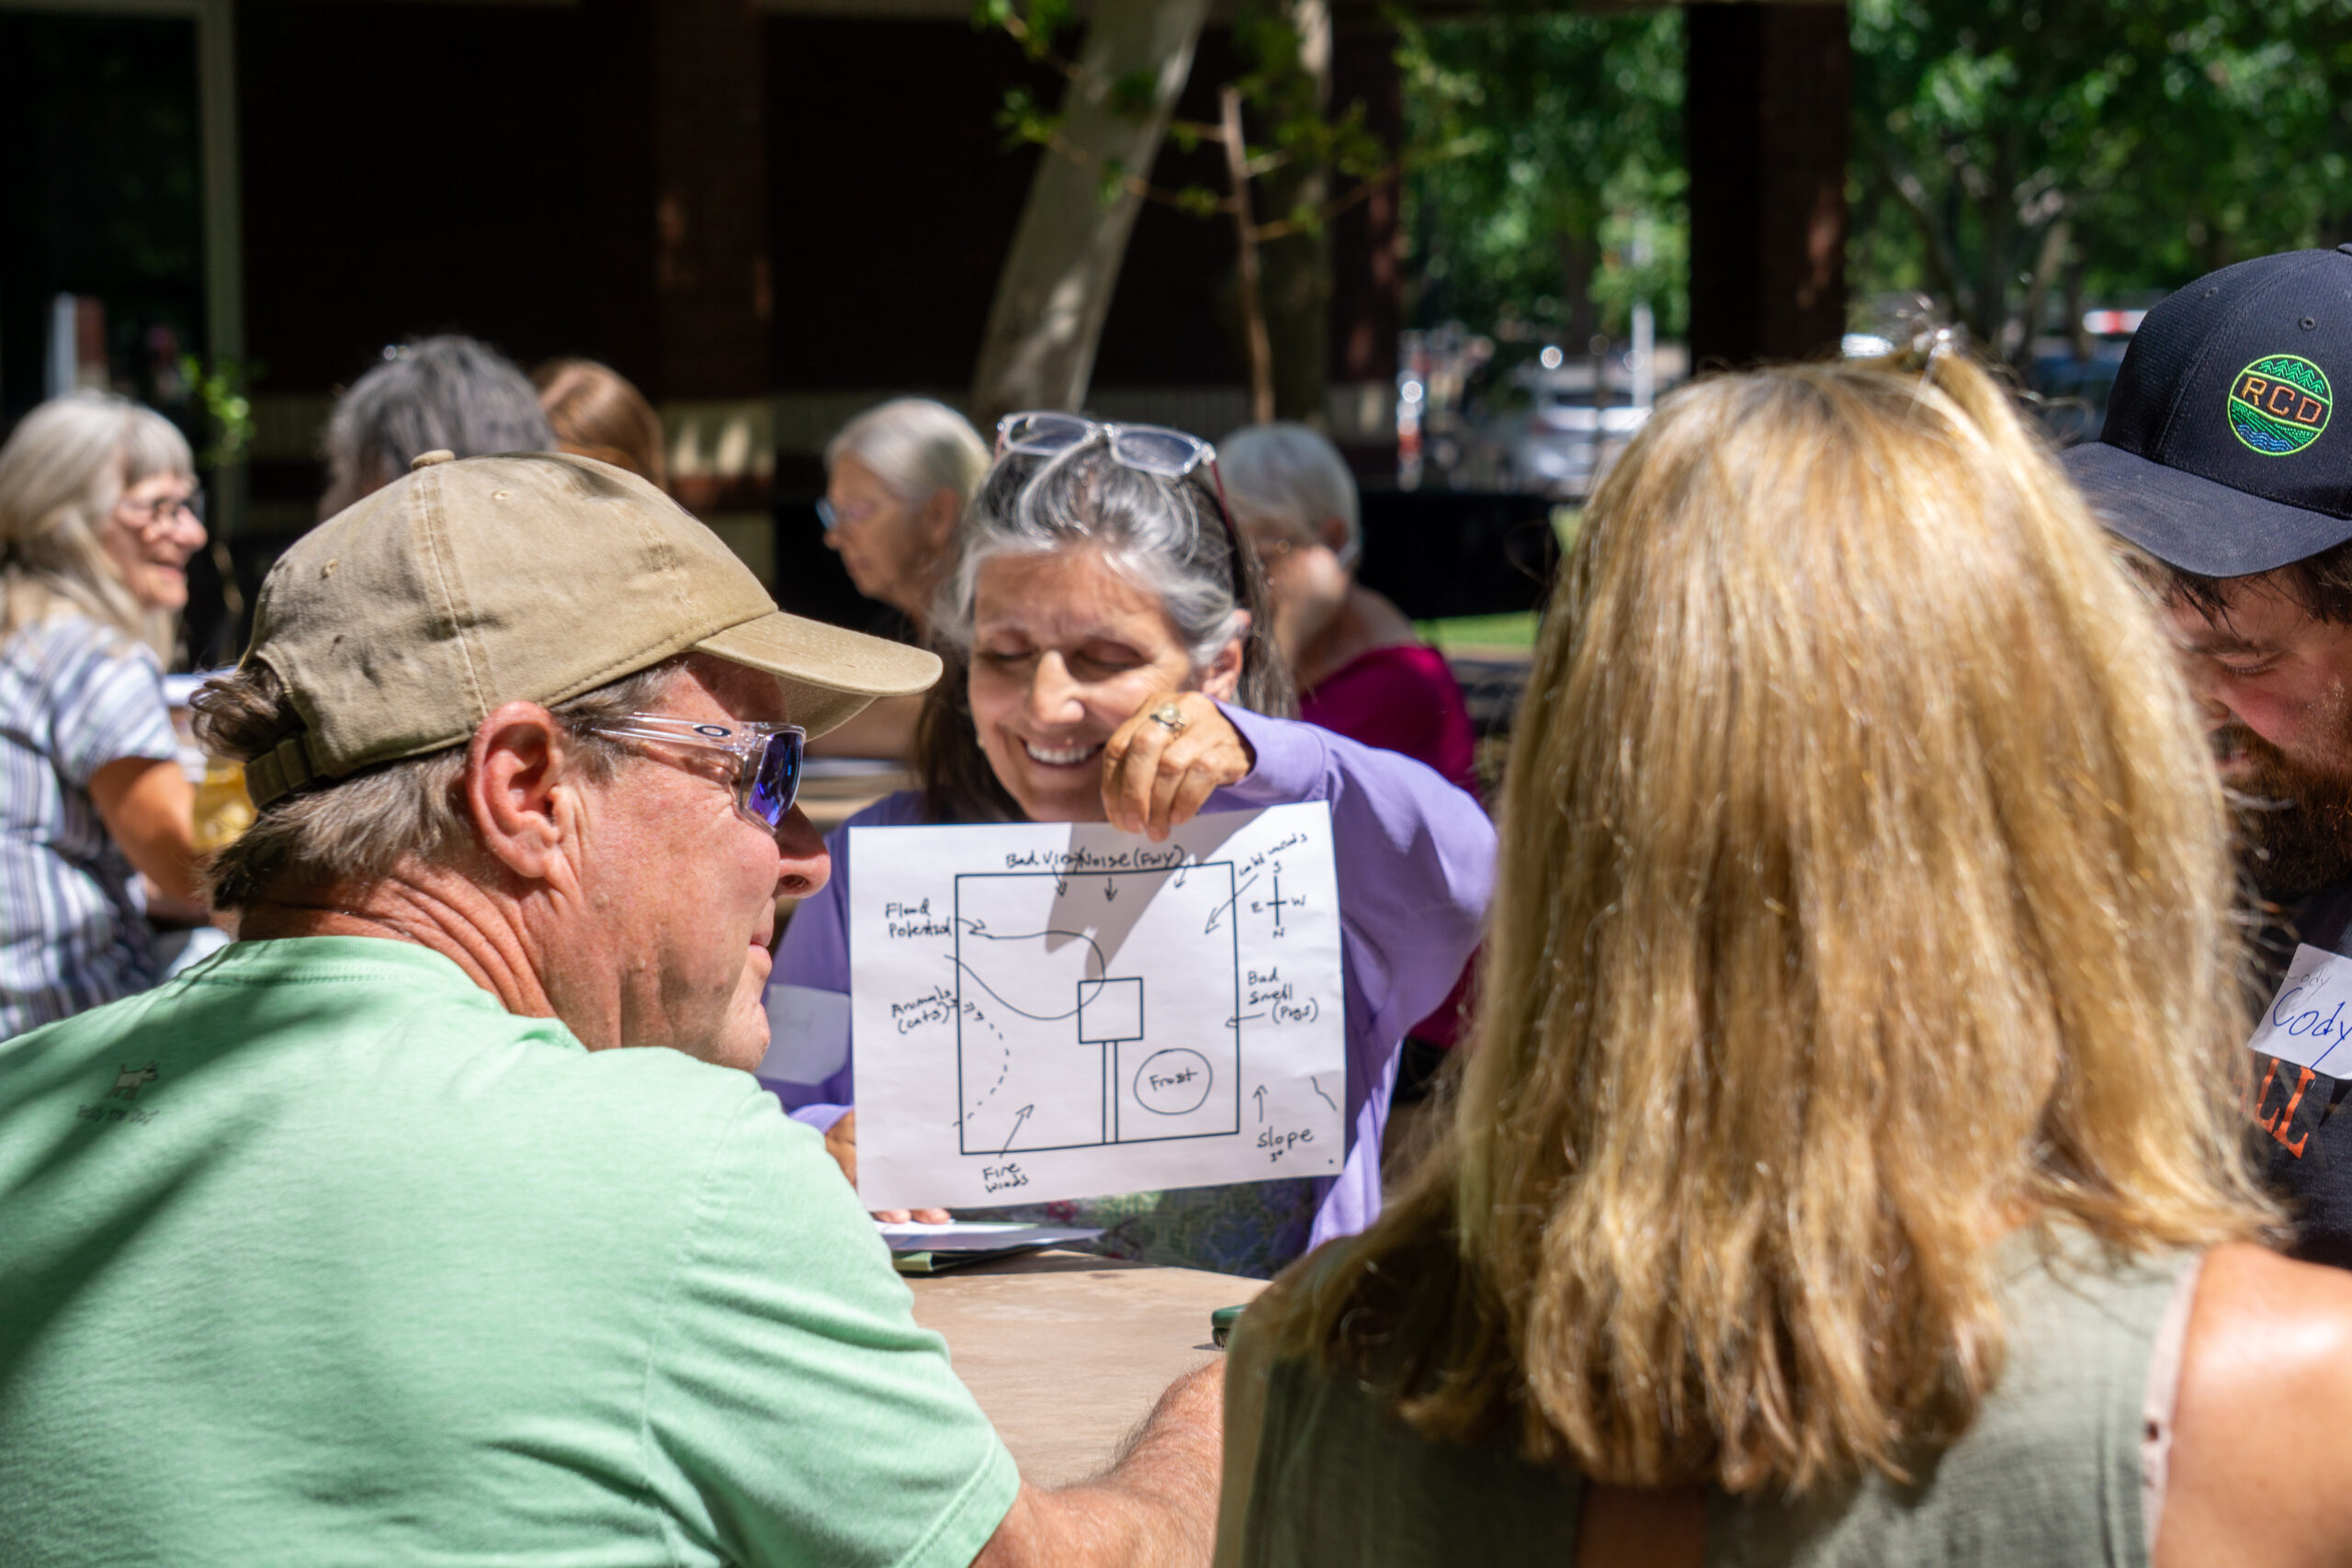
x: 1361, y: 670
x: 1106, y: 616
x: 897, y: 480
x: 98, y: 520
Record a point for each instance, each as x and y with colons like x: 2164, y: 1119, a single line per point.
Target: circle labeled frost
x: 2279, y: 404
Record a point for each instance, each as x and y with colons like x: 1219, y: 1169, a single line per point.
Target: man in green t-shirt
x: 361, y: 1241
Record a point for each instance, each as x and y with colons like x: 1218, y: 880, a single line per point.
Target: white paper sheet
x: 2309, y: 1020
x: 1064, y: 1010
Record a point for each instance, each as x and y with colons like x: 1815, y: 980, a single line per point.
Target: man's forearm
x: 1170, y: 1467
x: 1155, y: 1507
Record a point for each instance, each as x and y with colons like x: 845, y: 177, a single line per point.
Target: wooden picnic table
x: 1066, y: 1352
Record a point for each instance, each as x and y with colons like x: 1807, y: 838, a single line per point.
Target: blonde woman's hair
x: 1864, y: 895
x: 61, y: 474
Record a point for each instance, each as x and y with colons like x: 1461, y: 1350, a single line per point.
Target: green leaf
x: 219, y: 393
x: 1135, y: 95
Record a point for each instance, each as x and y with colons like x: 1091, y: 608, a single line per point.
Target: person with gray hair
x: 437, y: 394
x: 99, y: 513
x: 1108, y: 622
x: 1362, y: 671
x: 897, y: 480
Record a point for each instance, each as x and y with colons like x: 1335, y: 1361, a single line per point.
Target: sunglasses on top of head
x: 1154, y: 449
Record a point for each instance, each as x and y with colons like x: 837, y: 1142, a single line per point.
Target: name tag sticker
x: 2309, y: 1022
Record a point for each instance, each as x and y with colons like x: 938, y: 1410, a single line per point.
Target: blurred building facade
x: 767, y: 213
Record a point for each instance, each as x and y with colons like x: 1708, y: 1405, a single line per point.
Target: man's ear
x: 1222, y: 678
x: 520, y: 791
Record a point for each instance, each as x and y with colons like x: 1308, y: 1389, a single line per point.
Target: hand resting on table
x: 841, y: 1142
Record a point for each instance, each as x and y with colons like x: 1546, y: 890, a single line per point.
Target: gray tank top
x: 2048, y: 1476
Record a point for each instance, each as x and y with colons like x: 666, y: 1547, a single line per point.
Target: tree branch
x: 1943, y: 264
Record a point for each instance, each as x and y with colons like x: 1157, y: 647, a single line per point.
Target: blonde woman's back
x: 2085, y: 1451
x: 2050, y: 1475
x: 1865, y: 900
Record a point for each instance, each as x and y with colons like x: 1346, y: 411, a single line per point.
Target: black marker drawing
x: 1073, y: 1061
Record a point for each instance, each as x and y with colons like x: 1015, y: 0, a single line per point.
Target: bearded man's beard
x: 2295, y: 819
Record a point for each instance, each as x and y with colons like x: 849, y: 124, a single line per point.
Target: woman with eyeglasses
x: 1110, y: 626
x: 98, y: 516
x: 1360, y: 670
x: 897, y: 480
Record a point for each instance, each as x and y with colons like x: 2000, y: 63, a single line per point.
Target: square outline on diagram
x: 1110, y: 1135
x: 1127, y: 1002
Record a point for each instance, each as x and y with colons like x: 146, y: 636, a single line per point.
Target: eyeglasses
x: 1272, y: 551
x: 833, y: 516
x: 767, y: 756
x: 1152, y: 449
x: 150, y: 515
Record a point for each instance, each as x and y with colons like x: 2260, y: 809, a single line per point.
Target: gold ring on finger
x: 1170, y: 717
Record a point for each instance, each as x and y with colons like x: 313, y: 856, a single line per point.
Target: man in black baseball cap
x: 2222, y: 458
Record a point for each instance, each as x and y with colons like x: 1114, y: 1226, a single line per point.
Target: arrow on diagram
x: 1018, y: 1117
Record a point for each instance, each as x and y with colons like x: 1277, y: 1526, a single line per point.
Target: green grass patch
x: 1479, y: 631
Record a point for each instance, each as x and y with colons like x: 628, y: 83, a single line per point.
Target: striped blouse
x: 74, y: 931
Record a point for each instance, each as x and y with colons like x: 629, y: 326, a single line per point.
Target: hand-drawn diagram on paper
x: 1056, y: 1012
x: 1066, y: 1019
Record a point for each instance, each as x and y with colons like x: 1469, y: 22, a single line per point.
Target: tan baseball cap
x: 402, y: 622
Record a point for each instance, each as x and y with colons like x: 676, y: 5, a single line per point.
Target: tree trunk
x: 2056, y: 241
x: 1055, y: 287
x: 1245, y: 237
x: 1297, y: 268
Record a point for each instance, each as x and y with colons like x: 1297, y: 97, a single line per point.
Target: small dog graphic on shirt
x: 127, y: 1083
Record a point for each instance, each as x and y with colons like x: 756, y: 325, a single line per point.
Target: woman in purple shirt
x: 1116, y: 668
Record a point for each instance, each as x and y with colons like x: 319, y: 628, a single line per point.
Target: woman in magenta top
x: 1359, y: 669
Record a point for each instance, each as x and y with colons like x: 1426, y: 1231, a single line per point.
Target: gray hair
x: 1165, y: 537
x: 1292, y: 473
x: 61, y: 475
x: 444, y: 393
x: 350, y: 832
x: 916, y: 447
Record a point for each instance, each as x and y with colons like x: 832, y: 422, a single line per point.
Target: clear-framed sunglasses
x: 767, y: 756
x: 1147, y: 448
x: 1155, y: 449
